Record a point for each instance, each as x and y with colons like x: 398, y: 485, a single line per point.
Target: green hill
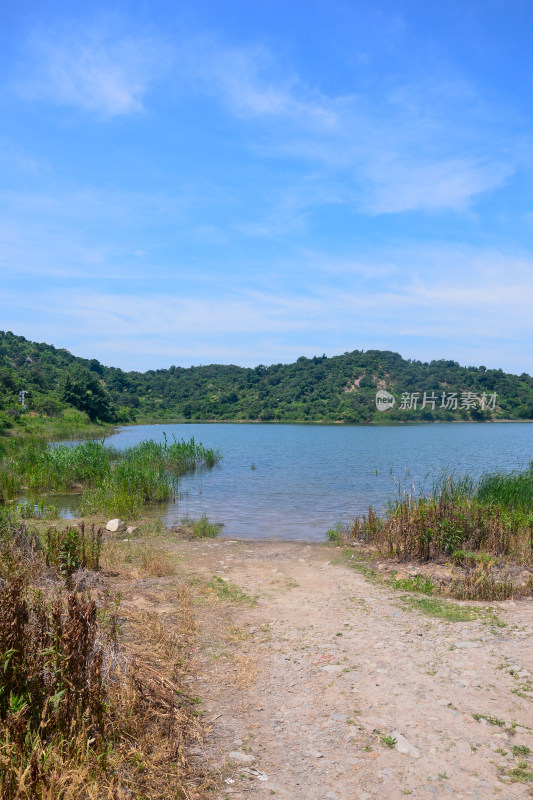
x: 338, y: 389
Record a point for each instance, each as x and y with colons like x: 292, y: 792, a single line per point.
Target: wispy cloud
x: 91, y: 67
x: 465, y: 302
x: 252, y: 83
x: 432, y: 145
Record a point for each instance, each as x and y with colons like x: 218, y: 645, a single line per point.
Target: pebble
x: 466, y: 645
x: 332, y: 668
x: 404, y: 746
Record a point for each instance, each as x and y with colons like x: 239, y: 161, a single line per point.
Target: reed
x: 508, y: 489
x: 482, y: 528
x: 112, y: 482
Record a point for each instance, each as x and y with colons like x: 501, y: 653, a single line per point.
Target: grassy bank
x: 111, y: 481
x: 70, y: 424
x: 482, y: 530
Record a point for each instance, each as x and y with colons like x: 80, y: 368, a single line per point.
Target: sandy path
x: 309, y: 679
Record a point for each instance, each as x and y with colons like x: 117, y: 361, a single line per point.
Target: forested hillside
x: 342, y: 388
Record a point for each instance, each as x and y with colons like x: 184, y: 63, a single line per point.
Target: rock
x: 466, y: 645
x: 404, y: 746
x: 115, y: 525
x: 340, y: 717
x: 130, y: 529
x: 241, y: 758
x: 388, y: 774
x: 362, y: 795
x: 332, y: 668
x: 444, y: 702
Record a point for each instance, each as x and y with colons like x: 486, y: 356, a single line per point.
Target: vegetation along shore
x: 319, y: 389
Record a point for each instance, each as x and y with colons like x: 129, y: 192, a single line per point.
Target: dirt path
x: 302, y: 685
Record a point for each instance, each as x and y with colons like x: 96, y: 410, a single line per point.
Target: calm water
x: 309, y: 477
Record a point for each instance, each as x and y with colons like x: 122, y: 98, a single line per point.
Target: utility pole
x: 22, y: 397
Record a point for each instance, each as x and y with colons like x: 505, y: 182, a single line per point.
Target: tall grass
x: 481, y: 527
x: 146, y: 473
x: 508, y: 489
x: 81, y: 716
x: 114, y: 482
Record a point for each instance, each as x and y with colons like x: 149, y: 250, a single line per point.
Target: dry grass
x: 245, y: 670
x: 156, y: 562
x: 487, y: 549
x: 89, y: 708
x: 139, y: 558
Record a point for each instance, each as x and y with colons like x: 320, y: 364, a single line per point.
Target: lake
x: 296, y: 481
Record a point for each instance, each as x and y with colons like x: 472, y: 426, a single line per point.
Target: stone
x: 115, y: 525
x: 130, y: 529
x: 404, y: 746
x: 467, y: 645
x: 241, y: 758
x: 333, y: 668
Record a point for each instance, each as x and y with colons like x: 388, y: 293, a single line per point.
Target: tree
x: 85, y: 392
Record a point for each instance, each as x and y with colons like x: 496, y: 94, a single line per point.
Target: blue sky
x: 250, y: 182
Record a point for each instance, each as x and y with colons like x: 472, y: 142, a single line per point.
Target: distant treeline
x: 338, y: 389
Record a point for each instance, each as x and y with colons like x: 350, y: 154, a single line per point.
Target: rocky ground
x: 317, y: 684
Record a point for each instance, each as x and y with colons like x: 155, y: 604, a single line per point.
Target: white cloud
x: 429, y: 145
x: 464, y: 302
x: 397, y: 185
x: 92, y: 68
x: 252, y: 84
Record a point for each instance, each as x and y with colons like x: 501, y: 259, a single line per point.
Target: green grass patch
x: 201, y: 528
x: 417, y: 583
x: 521, y: 750
x: 229, y: 591
x: 521, y: 774
x: 499, y: 723
x: 442, y: 609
